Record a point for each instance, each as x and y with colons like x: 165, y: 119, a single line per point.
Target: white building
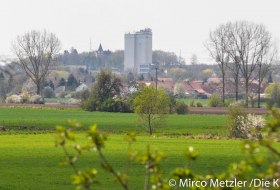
x: 138, y: 51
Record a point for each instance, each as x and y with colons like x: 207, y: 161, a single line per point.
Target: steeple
x: 100, y: 49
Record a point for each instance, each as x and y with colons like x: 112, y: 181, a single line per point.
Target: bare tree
x: 250, y: 42
x: 35, y: 51
x: 268, y: 56
x: 234, y: 71
x: 217, y: 46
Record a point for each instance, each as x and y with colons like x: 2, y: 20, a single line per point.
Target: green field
x: 31, y: 161
x: 47, y: 118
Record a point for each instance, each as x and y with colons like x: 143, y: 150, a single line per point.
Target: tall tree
x: 217, y: 46
x: 107, y: 85
x: 101, y: 97
x: 264, y: 66
x: 71, y: 83
x: 250, y: 42
x: 35, y: 51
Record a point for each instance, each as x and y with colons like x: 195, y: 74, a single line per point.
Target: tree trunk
x: 223, y: 88
x: 150, y: 127
x: 259, y: 93
x: 236, y: 79
x: 236, y: 90
x: 259, y: 97
x: 259, y: 88
x: 38, y: 91
x: 246, y: 92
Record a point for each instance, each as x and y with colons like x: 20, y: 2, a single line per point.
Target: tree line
x: 243, y: 51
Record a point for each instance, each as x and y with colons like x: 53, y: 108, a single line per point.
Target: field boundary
x: 46, y: 105
x: 223, y: 110
x: 192, y: 110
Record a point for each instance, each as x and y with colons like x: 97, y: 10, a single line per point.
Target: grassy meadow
x: 48, y: 118
x: 31, y: 161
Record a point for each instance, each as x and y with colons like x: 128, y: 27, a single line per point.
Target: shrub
x: 235, y: 111
x: 116, y: 104
x: 13, y: 99
x: 215, y: 101
x: 248, y: 126
x: 80, y: 94
x: 229, y: 102
x: 63, y: 94
x: 70, y: 101
x: 172, y: 104
x: 85, y: 94
x: 199, y: 104
x: 181, y: 108
x: 36, y: 99
x: 273, y: 94
x: 244, y: 125
x: 90, y: 104
x: 25, y: 98
x: 48, y: 92
x: 192, y: 103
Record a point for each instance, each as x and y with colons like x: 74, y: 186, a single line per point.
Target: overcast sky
x: 177, y: 25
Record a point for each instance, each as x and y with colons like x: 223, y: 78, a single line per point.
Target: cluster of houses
x: 201, y: 89
x: 186, y: 88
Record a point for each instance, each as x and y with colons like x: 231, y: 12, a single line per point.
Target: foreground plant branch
x: 98, y: 140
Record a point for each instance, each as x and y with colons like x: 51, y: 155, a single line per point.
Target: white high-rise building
x: 138, y: 51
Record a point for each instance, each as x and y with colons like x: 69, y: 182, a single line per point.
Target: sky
x: 179, y: 26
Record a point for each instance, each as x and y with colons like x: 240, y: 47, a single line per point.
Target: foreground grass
x: 30, y: 161
x: 47, y: 118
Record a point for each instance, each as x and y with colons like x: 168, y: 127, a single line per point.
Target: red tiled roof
x: 193, y: 86
x: 169, y: 85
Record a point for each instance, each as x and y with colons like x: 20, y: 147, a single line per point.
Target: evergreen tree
x: 71, y: 83
x: 62, y: 82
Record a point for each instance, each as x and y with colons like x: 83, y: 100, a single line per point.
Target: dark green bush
x: 117, y: 104
x: 181, y: 108
x: 215, y: 101
x: 48, y: 92
x: 199, y: 104
x: 90, y: 104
